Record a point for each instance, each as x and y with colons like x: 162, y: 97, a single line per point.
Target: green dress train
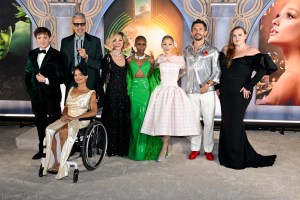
x: 142, y: 146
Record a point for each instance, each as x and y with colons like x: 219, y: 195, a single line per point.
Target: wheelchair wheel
x: 94, y: 145
x: 41, y: 171
x: 75, y: 175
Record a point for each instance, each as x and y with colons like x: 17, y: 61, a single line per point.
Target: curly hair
x: 41, y: 30
x: 112, y: 38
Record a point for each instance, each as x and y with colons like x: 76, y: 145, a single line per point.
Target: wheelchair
x: 92, y: 144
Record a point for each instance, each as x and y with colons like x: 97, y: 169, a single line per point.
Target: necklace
x: 139, y: 57
x: 115, y: 53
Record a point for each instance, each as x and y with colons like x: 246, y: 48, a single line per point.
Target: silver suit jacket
x: 201, y: 67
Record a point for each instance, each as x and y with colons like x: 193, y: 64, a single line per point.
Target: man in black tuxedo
x: 81, y: 47
x: 44, y: 73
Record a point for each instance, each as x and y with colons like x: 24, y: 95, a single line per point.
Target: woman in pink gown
x: 169, y: 112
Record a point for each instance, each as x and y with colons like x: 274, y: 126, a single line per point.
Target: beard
x: 198, y: 37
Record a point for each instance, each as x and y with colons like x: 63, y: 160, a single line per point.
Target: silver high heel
x: 160, y: 159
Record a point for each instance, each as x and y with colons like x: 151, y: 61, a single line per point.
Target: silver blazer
x: 201, y: 67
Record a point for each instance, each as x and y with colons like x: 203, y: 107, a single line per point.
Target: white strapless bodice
x: 169, y: 73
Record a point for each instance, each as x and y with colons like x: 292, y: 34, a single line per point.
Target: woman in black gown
x: 116, y: 108
x: 236, y: 88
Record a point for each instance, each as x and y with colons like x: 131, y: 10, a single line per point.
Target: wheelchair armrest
x: 88, y: 118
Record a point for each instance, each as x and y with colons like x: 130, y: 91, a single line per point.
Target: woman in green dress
x: 140, y: 85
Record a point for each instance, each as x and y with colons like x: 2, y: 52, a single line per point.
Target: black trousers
x: 45, y: 112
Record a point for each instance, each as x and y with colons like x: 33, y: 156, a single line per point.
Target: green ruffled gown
x: 142, y: 146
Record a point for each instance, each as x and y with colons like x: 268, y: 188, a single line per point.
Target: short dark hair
x: 140, y: 37
x: 199, y: 21
x: 41, y: 30
x: 8, y: 15
x: 82, y: 68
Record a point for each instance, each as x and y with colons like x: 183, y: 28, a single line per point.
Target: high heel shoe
x: 167, y: 155
x: 160, y: 159
x: 53, y: 170
x: 168, y: 152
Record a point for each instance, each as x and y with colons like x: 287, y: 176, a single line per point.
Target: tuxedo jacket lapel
x: 70, y: 46
x: 87, y: 42
x: 34, y: 59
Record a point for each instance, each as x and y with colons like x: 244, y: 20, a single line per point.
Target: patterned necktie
x: 78, y: 46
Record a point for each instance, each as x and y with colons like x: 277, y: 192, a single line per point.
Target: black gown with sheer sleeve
x: 235, y: 151
x: 116, y: 107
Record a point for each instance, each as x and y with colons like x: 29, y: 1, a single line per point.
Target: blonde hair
x: 174, y: 51
x: 167, y: 37
x: 112, y: 38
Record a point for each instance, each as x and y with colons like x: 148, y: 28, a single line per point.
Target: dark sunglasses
x: 79, y: 24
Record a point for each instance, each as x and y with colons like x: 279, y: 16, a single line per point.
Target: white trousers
x: 204, y: 107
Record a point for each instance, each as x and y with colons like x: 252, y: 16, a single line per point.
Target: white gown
x: 169, y: 110
x: 76, y: 106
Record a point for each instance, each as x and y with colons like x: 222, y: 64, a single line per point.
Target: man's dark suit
x: 92, y: 45
x: 45, y: 99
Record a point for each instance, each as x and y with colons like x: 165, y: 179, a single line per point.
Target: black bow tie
x: 42, y: 51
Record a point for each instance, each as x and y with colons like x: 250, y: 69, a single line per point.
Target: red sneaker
x: 193, y: 155
x: 209, y: 156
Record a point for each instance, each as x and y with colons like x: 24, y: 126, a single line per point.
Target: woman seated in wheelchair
x: 81, y: 103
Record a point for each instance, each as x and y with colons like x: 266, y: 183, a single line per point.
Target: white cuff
x: 47, y: 81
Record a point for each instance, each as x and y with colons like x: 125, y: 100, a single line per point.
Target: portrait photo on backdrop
x: 280, y: 37
x: 15, y: 42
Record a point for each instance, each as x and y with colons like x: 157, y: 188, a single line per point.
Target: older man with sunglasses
x: 81, y: 47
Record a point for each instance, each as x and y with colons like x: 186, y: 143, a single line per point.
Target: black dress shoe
x: 37, y: 156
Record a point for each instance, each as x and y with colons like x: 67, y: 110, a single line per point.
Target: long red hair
x: 230, y: 53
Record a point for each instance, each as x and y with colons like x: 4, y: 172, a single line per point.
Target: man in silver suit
x: 203, y: 72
